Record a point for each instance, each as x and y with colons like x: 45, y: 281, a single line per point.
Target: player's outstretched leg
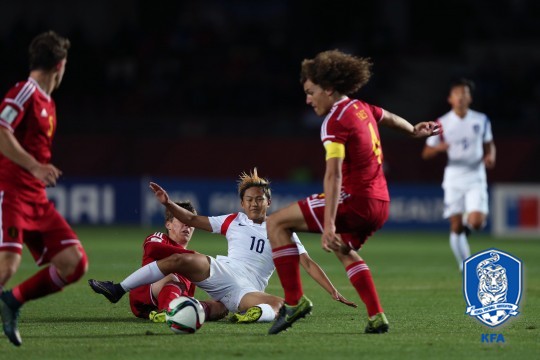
x: 113, y: 292
x: 9, y: 320
x: 289, y: 314
x: 377, y: 324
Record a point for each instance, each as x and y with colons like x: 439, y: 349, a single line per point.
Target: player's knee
x: 9, y: 264
x: 79, y: 268
x: 6, y: 272
x: 177, y: 261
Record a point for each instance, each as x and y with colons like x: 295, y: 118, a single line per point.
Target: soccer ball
x: 185, y: 315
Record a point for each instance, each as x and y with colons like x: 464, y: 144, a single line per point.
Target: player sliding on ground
x: 150, y: 301
x: 237, y: 280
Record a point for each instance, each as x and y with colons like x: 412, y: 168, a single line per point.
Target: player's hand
x: 442, y: 147
x: 330, y: 240
x: 338, y: 297
x: 426, y: 129
x: 489, y: 161
x: 160, y: 193
x: 46, y: 173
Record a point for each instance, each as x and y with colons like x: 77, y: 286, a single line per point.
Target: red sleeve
x: 13, y: 106
x: 336, y: 131
x: 159, y: 250
x: 376, y: 111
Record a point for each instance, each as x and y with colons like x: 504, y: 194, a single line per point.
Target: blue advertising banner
x: 106, y: 201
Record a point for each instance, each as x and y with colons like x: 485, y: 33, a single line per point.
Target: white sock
x: 268, y: 314
x: 454, y: 245
x: 464, y: 248
x: 148, y: 274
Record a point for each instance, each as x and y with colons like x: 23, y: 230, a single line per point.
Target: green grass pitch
x: 415, y: 273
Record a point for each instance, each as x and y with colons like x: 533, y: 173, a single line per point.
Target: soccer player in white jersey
x: 239, y: 279
x: 468, y: 141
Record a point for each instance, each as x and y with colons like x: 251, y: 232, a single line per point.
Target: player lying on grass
x: 149, y: 301
x: 237, y: 280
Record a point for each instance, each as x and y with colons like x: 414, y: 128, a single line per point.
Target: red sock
x: 44, y: 282
x: 360, y: 277
x: 287, y: 263
x: 168, y: 293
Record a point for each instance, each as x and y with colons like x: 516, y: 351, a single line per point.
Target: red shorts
x: 357, y: 217
x: 44, y: 231
x: 142, y: 302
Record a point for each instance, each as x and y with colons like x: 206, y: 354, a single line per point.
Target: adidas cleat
x: 289, y: 314
x: 157, y: 317
x: 377, y: 324
x: 249, y: 316
x: 9, y: 321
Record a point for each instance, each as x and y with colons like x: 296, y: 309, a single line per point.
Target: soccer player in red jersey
x: 355, y: 202
x: 27, y: 127
x: 149, y: 301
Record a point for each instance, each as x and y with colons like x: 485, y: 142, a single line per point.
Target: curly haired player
x: 355, y: 202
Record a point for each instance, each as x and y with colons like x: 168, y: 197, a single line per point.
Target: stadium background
x: 191, y: 91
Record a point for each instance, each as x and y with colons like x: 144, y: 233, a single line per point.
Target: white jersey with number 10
x: 248, y: 243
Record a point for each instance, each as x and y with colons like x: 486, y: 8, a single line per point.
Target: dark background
x: 210, y: 88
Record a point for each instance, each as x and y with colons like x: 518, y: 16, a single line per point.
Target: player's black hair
x: 250, y: 180
x: 462, y: 82
x: 47, y: 49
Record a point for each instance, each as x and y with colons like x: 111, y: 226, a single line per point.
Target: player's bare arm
x: 318, y: 274
x: 185, y: 216
x: 12, y: 149
x: 332, y: 186
x: 489, y: 155
x: 420, y: 130
x: 430, y: 152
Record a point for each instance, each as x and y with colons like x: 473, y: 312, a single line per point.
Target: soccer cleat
x: 377, y: 324
x: 113, y: 292
x: 289, y: 314
x: 249, y: 316
x: 157, y: 317
x: 9, y: 322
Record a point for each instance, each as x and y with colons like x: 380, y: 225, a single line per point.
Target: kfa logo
x: 492, y: 283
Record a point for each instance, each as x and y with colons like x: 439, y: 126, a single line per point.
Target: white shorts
x: 465, y: 200
x: 229, y: 282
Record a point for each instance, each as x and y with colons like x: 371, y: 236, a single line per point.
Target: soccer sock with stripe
x: 287, y: 261
x: 44, y: 282
x: 168, y: 293
x: 361, y: 279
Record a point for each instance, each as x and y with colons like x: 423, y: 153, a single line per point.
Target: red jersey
x: 159, y: 246
x: 30, y: 113
x: 353, y: 123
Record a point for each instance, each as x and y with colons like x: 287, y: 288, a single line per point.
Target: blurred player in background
x: 355, y: 202
x: 239, y: 279
x: 27, y: 126
x: 150, y: 301
x: 468, y: 142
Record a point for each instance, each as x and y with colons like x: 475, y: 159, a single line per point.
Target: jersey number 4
x: 377, y: 151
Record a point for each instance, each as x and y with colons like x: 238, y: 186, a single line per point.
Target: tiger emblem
x: 492, y: 281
